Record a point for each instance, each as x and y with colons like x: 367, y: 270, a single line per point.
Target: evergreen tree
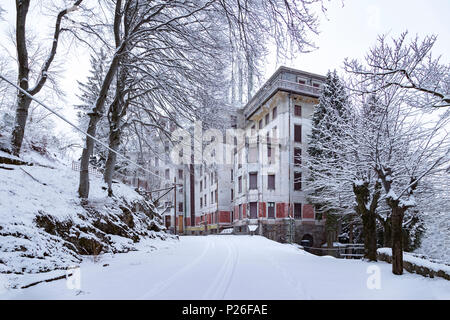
x: 332, y: 105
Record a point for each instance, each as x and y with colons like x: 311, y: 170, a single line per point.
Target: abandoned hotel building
x: 260, y: 190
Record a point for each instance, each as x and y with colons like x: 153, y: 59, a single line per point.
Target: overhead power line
x: 78, y: 129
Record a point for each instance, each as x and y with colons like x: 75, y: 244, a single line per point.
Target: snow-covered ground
x: 47, y: 192
x: 230, y: 267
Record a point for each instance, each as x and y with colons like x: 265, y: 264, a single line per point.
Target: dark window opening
x: 298, y: 133
x: 297, y: 110
x: 253, y: 210
x: 297, y: 157
x: 297, y: 181
x: 271, y: 210
x: 271, y: 182
x: 253, y: 181
x: 297, y: 210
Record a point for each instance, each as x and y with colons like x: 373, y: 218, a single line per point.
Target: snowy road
x: 231, y: 267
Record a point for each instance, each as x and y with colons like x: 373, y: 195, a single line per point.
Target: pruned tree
x: 339, y: 162
x: 407, y: 148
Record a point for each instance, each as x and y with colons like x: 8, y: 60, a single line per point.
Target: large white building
x: 269, y: 174
x: 261, y: 188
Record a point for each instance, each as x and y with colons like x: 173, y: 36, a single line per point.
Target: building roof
x: 276, y: 83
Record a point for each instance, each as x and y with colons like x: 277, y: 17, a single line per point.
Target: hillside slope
x: 44, y: 226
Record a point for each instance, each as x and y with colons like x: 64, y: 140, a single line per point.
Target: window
x: 271, y: 182
x: 269, y: 146
x: 212, y: 197
x: 253, y: 153
x: 239, y: 160
x: 297, y: 210
x: 180, y: 206
x: 267, y: 118
x: 156, y: 162
x: 216, y: 196
x: 212, y: 177
x: 297, y: 157
x: 206, y: 198
x: 166, y: 147
x: 301, y: 81
x: 157, y: 172
x: 167, y: 174
x: 240, y: 212
x: 201, y: 202
x: 298, y: 133
x: 232, y: 194
x: 271, y: 210
x: 232, y: 175
x: 253, y: 181
x: 253, y: 210
x: 297, y: 181
x: 260, y: 124
x: 274, y: 113
x: 240, y: 184
x: 180, y: 174
x: 297, y: 110
x: 201, y: 186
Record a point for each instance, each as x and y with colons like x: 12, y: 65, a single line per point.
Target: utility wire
x: 78, y: 129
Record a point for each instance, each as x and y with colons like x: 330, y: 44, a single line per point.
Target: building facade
x: 255, y: 182
x: 269, y: 176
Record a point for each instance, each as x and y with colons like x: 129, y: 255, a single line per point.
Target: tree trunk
x: 116, y: 112
x: 370, y: 236
x: 23, y: 104
x: 97, y: 112
x: 83, y: 188
x: 397, y: 240
x: 23, y: 101
x: 387, y: 235
x: 362, y: 195
x: 114, y: 142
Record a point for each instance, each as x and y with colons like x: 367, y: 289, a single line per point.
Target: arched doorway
x: 307, y: 241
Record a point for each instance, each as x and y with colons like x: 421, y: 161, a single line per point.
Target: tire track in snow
x: 233, y: 268
x: 165, y: 284
x: 219, y: 286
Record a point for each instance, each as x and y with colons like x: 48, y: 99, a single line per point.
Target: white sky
x: 349, y: 30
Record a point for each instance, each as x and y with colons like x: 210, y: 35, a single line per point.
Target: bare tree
x: 23, y: 101
x: 180, y: 35
x: 409, y: 65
